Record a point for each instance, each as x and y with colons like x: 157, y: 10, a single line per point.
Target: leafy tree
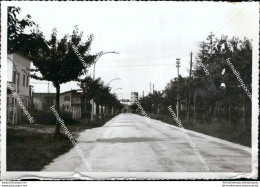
x: 59, y: 64
x: 26, y: 44
x: 134, y: 107
x: 15, y: 29
x: 218, y: 93
x: 95, y: 89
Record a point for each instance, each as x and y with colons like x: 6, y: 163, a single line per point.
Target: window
x: 18, y: 79
x: 67, y: 98
x: 14, y: 77
x: 27, y: 81
x: 23, y: 80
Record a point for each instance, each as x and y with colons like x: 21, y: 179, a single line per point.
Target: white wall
x: 22, y: 65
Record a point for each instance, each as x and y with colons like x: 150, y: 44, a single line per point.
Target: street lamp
x: 16, y: 85
x: 113, y: 80
x: 178, y: 104
x: 99, y: 55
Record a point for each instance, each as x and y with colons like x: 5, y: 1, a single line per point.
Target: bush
x: 48, y: 118
x: 84, y: 114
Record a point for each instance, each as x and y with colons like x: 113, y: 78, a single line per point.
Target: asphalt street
x: 130, y: 143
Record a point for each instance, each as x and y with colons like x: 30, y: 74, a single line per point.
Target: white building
x: 18, y: 76
x: 70, y: 101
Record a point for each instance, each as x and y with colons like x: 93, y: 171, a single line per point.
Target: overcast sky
x: 149, y: 36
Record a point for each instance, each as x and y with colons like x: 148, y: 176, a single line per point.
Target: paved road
x: 129, y: 143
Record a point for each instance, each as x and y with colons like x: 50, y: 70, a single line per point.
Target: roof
x: 18, y: 53
x: 79, y: 91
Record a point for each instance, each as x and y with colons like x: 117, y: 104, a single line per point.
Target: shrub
x: 48, y: 118
x: 84, y: 114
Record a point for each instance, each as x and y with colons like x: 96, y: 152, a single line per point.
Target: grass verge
x: 30, y: 147
x: 218, y: 128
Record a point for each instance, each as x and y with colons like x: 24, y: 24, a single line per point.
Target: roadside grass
x: 218, y: 128
x: 31, y: 147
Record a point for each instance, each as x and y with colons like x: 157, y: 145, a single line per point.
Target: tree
x: 59, y: 64
x: 95, y: 89
x: 91, y: 89
x: 134, y: 107
x: 18, y: 41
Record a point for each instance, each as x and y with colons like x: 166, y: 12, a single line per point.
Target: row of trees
x: 218, y: 95
x: 54, y: 59
x: 100, y: 93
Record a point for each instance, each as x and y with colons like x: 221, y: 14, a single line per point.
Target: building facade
x: 18, y: 75
x: 43, y: 101
x: 70, y: 101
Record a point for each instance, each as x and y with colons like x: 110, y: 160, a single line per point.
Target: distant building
x: 18, y: 76
x: 71, y: 101
x: 126, y: 104
x: 132, y: 97
x: 125, y: 101
x: 43, y: 101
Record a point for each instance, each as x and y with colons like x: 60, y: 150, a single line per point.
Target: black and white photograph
x: 134, y: 90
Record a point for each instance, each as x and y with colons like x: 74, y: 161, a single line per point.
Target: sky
x: 149, y: 36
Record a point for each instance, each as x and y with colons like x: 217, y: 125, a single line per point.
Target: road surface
x: 129, y: 143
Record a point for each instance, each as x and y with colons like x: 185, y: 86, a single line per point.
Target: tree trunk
x: 97, y: 111
x: 229, y: 112
x: 106, y: 110
x: 188, y: 108
x: 195, y: 106
x: 189, y: 94
x: 89, y: 109
x: 102, y: 111
x: 57, y: 103
x: 244, y: 112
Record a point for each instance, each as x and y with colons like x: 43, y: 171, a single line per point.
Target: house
x: 18, y: 76
x: 43, y: 101
x: 71, y: 101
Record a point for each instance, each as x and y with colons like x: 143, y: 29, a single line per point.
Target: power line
x: 231, y: 19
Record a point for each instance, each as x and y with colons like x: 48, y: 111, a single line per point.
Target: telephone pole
x: 189, y: 87
x: 178, y: 104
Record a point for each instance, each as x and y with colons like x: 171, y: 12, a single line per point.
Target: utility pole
x: 153, y: 88
x: 150, y: 87
x: 143, y: 93
x: 178, y: 104
x: 189, y: 87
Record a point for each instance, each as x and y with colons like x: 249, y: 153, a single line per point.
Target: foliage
x: 95, y: 89
x: 217, y: 95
